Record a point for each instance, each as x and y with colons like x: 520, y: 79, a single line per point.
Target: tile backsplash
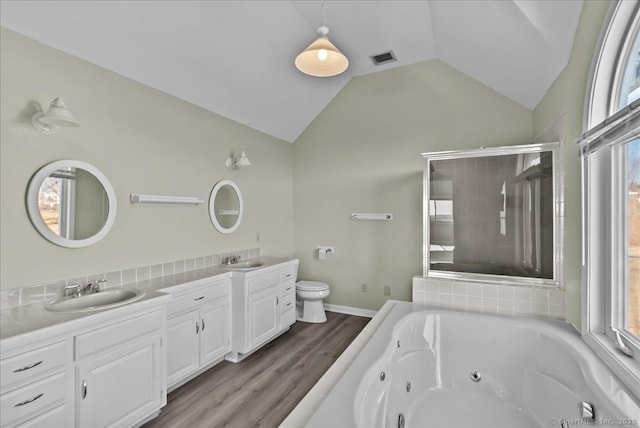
x: 489, y: 297
x: 49, y: 291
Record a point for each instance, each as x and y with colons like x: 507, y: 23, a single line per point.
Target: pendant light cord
x: 324, y: 15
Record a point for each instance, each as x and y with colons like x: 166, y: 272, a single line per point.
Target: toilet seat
x: 311, y: 286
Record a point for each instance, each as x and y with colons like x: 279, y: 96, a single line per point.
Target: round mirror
x: 71, y: 203
x: 225, y: 206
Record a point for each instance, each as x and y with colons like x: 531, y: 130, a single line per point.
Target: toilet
x: 309, y: 295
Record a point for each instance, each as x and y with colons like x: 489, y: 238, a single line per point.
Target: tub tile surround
x: 487, y: 297
x: 44, y: 292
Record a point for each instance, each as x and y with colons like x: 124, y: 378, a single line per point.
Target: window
x: 55, y: 199
x: 610, y: 155
x: 629, y: 90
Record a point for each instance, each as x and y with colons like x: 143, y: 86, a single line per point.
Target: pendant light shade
x: 321, y: 58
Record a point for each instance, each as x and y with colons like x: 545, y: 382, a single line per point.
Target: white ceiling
x: 235, y: 58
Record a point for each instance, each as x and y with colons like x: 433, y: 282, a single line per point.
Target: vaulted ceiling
x: 235, y: 58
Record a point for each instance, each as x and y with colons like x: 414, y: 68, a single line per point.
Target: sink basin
x: 96, y: 301
x: 244, y: 266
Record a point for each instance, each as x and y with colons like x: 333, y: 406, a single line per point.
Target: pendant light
x: 321, y: 58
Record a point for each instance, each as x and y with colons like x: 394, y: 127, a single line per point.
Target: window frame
x: 605, y: 77
x: 603, y: 164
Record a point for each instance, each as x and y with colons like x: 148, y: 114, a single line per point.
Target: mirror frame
x: 34, y: 212
x: 558, y: 225
x: 212, y: 213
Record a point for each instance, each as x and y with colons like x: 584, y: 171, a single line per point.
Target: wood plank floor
x: 261, y: 390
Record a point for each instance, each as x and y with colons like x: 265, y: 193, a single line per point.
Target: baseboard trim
x: 349, y: 310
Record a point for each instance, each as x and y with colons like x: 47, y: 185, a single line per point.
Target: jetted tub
x: 447, y: 368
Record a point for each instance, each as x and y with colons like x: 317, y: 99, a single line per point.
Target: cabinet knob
x: 199, y: 298
x: 84, y: 389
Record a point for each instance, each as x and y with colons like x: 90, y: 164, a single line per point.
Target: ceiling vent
x: 383, y: 58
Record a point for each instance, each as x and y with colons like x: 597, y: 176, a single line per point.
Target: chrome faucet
x: 77, y: 290
x: 230, y: 260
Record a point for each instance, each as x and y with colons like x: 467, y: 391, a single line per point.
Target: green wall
x: 563, y: 106
x: 144, y: 141
x: 362, y: 154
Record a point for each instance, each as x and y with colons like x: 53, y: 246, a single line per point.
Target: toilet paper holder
x: 323, y: 251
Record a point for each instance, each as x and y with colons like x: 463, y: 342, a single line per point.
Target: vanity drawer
x: 29, y: 400
x: 289, y: 273
x: 288, y: 318
x: 191, y: 299
x: 28, y: 365
x: 287, y: 303
x: 116, y: 334
x: 262, y: 282
x: 57, y: 417
x: 286, y: 288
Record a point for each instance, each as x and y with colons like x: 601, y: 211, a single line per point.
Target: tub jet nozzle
x: 400, y: 420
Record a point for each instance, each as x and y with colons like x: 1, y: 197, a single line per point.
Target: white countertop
x: 29, y: 318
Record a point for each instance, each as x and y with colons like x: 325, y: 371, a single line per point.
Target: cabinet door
x: 214, y: 330
x: 182, y: 346
x: 121, y: 387
x: 263, y: 315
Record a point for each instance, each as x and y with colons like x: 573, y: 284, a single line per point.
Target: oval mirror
x: 71, y: 203
x: 225, y: 206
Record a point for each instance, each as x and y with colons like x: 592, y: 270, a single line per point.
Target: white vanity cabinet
x: 120, y: 372
x: 102, y: 370
x: 36, y: 386
x: 198, y: 329
x: 263, y: 306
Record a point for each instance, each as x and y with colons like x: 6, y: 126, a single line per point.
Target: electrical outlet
x: 363, y: 288
x: 387, y: 291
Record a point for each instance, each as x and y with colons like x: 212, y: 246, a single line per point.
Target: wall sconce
x: 58, y: 115
x: 233, y: 162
